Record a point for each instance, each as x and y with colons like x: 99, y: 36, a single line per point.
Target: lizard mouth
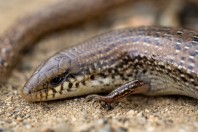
x: 45, y: 94
x: 65, y: 90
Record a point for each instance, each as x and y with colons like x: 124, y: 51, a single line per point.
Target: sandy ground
x: 136, y: 113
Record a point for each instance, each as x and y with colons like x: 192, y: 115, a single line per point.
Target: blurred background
x: 175, y: 13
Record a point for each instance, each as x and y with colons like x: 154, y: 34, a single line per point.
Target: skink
x: 144, y: 60
x: 147, y: 60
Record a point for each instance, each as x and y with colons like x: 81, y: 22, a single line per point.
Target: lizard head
x: 53, y: 79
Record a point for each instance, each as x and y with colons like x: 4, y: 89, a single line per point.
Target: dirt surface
x: 136, y: 113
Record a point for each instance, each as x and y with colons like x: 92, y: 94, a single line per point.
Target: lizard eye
x: 56, y: 81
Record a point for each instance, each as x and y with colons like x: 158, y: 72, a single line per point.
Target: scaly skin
x: 164, y: 59
x: 148, y: 60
